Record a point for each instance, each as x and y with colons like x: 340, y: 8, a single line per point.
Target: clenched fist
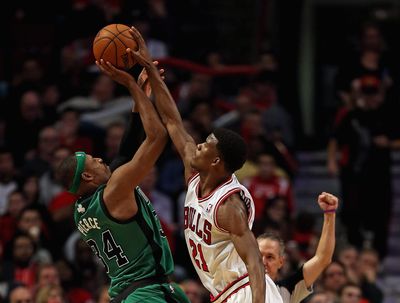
x: 328, y: 202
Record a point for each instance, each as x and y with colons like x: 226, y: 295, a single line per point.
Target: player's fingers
x: 100, y: 65
x: 132, y: 52
x: 133, y: 32
x: 155, y: 63
x: 112, y: 68
x: 136, y: 34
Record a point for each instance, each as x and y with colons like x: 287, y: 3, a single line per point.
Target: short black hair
x: 65, y: 172
x: 232, y: 148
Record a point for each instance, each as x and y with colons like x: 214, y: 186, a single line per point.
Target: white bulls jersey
x: 213, y: 254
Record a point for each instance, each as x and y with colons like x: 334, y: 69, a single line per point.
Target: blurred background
x: 312, y: 86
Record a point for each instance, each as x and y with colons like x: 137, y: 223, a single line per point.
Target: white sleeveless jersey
x: 213, y: 254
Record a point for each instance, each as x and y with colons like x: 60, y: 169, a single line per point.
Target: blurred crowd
x: 54, y: 102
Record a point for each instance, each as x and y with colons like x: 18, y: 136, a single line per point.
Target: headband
x: 80, y: 166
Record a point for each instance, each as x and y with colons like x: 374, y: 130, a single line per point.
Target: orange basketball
x: 110, y: 44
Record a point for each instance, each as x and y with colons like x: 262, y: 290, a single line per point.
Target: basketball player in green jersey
x: 114, y: 216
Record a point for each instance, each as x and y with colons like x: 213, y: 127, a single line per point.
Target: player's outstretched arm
x: 326, y: 245
x: 165, y: 104
x: 232, y: 217
x: 118, y: 194
x: 134, y: 132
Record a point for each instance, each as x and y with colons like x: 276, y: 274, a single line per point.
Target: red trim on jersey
x: 235, y: 291
x: 229, y: 286
x: 191, y: 178
x: 208, y: 196
x: 218, y: 204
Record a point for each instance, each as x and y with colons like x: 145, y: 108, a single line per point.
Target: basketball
x: 110, y: 44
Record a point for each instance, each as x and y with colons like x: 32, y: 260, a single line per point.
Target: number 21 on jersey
x: 198, y: 256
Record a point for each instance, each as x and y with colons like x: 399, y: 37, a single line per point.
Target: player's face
x: 98, y: 169
x: 206, y: 154
x: 272, y: 259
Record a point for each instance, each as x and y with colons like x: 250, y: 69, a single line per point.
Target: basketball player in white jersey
x: 219, y: 211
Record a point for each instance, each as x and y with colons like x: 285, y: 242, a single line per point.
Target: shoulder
x: 231, y: 214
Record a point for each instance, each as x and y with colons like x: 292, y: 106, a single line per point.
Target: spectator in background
x: 350, y: 293
x: 260, y: 141
x: 70, y: 133
x: 348, y: 256
x: 19, y: 264
x: 333, y: 279
x: 366, y: 275
x: 26, y: 124
x: 160, y: 201
x: 114, y: 134
x: 49, y: 187
x: 31, y: 222
x: 304, y: 233
x: 38, y: 161
x: 50, y: 294
x: 170, y: 179
x: 370, y: 59
x: 20, y: 294
x: 275, y: 215
x: 100, y: 107
x: 195, y: 291
x: 70, y: 280
x: 8, y: 221
x: 268, y: 184
x: 201, y: 117
x: 51, y: 96
x: 299, y: 285
x: 30, y: 77
x: 30, y: 187
x: 89, y: 271
x: 47, y: 275
x: 8, y: 177
x: 368, y: 134
x: 162, y: 204
x: 318, y: 297
x: 198, y: 88
x: 233, y: 118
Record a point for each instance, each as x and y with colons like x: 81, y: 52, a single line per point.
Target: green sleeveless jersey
x: 130, y: 250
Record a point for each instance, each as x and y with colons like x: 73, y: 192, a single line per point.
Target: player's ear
x: 87, y: 176
x: 216, y: 161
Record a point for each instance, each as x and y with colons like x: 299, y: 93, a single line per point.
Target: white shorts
x: 243, y: 295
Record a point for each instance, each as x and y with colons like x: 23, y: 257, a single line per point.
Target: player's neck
x: 209, y: 182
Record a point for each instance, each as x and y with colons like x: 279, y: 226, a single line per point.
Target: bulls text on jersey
x: 191, y: 220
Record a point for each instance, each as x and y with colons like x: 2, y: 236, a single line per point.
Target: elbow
x: 328, y: 261
x: 325, y: 261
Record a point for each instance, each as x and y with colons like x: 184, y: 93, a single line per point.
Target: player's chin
x: 193, y: 164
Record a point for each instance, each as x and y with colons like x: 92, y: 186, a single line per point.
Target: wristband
x: 329, y: 211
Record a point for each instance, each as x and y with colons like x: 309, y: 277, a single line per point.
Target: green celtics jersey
x: 130, y: 250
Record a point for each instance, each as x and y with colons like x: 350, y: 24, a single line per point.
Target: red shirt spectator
x: 267, y: 184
